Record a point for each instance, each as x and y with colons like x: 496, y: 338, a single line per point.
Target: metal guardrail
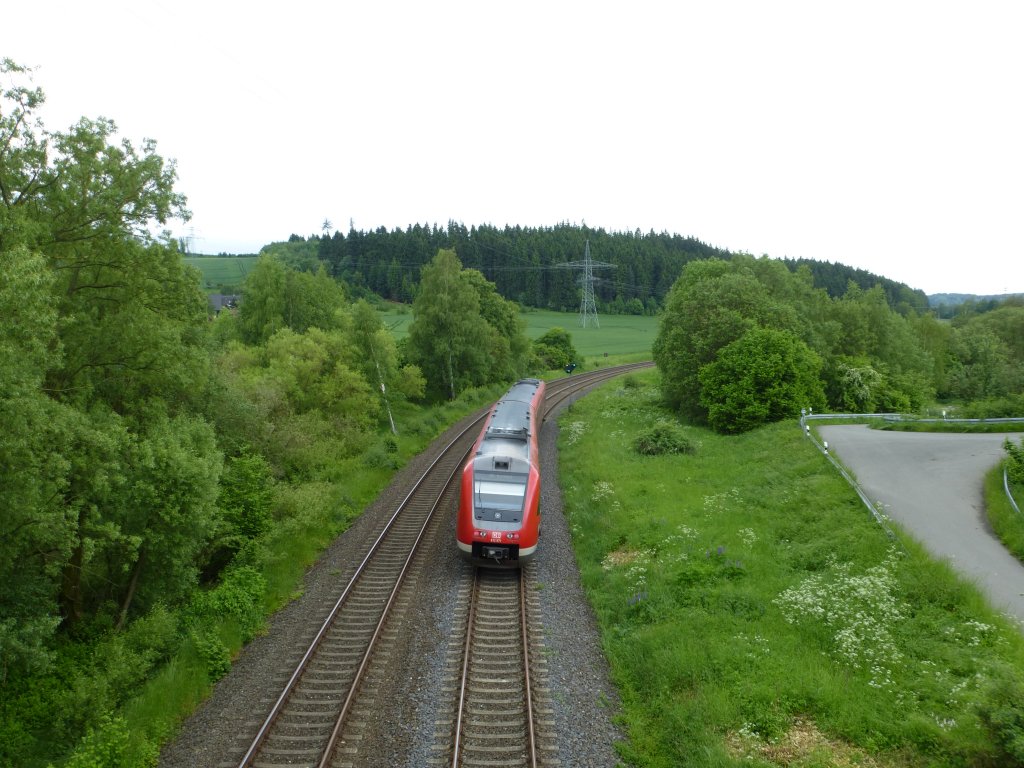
x: 1006, y: 487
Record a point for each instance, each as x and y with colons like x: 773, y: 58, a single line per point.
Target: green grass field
x: 222, y: 274
x: 616, y: 335
x: 754, y: 614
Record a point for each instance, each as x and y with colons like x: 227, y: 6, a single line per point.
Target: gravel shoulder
x: 932, y: 484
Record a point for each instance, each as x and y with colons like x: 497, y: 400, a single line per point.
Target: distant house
x: 219, y: 301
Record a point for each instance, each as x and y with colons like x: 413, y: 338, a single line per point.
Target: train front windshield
x: 499, y: 500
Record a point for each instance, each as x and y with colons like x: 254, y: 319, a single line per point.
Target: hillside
x: 535, y: 266
x: 956, y: 299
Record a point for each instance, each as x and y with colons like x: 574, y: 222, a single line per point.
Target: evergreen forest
x: 542, y: 267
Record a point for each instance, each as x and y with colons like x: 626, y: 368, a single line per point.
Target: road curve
x: 932, y: 485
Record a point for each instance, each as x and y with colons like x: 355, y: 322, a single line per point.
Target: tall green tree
x: 448, y: 337
x: 378, y: 356
x: 983, y: 366
x: 262, y: 311
x: 508, y: 346
x: 122, y: 327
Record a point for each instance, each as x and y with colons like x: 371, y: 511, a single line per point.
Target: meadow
x: 222, y: 274
x: 754, y: 613
x: 623, y: 336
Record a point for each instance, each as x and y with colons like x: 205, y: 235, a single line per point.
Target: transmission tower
x: 588, y: 308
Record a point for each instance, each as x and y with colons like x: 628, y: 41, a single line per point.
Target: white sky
x: 883, y: 135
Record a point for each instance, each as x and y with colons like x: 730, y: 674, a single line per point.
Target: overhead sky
x: 887, y: 136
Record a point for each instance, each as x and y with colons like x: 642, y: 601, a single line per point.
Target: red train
x: 499, y: 507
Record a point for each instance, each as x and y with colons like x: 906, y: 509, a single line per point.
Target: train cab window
x: 498, y: 501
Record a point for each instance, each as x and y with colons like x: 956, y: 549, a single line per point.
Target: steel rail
x: 527, y: 685
x: 558, y: 394
x: 467, y: 647
x: 524, y: 635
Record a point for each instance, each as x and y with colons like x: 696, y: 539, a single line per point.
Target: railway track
x: 499, y: 713
x: 308, y: 723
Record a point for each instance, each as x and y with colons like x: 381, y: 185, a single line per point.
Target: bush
x: 103, y: 747
x: 215, y: 654
x: 555, y: 349
x: 239, y: 596
x: 763, y: 377
x: 664, y: 437
x: 996, y: 408
x: 247, y: 495
x: 381, y: 457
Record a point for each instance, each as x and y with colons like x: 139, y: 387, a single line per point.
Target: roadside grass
x: 754, y: 613
x: 1007, y: 523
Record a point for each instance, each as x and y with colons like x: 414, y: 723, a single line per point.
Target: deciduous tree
x: 448, y: 337
x: 764, y: 376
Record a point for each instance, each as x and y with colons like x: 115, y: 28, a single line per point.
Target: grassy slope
x: 754, y: 613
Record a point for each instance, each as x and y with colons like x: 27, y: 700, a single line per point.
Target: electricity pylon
x: 588, y: 308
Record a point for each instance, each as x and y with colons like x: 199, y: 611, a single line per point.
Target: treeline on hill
x: 528, y: 264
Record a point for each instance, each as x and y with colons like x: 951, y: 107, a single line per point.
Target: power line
x: 588, y: 307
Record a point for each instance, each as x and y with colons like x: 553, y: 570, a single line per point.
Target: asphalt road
x: 931, y: 484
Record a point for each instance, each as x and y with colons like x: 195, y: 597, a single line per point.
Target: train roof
x: 511, y: 416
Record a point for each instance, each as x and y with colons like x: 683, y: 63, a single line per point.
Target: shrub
x: 664, y: 437
x: 994, y: 408
x: 215, y: 654
x: 762, y: 377
x: 247, y: 495
x: 555, y: 349
x: 103, y: 747
x: 239, y: 596
x: 380, y: 457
